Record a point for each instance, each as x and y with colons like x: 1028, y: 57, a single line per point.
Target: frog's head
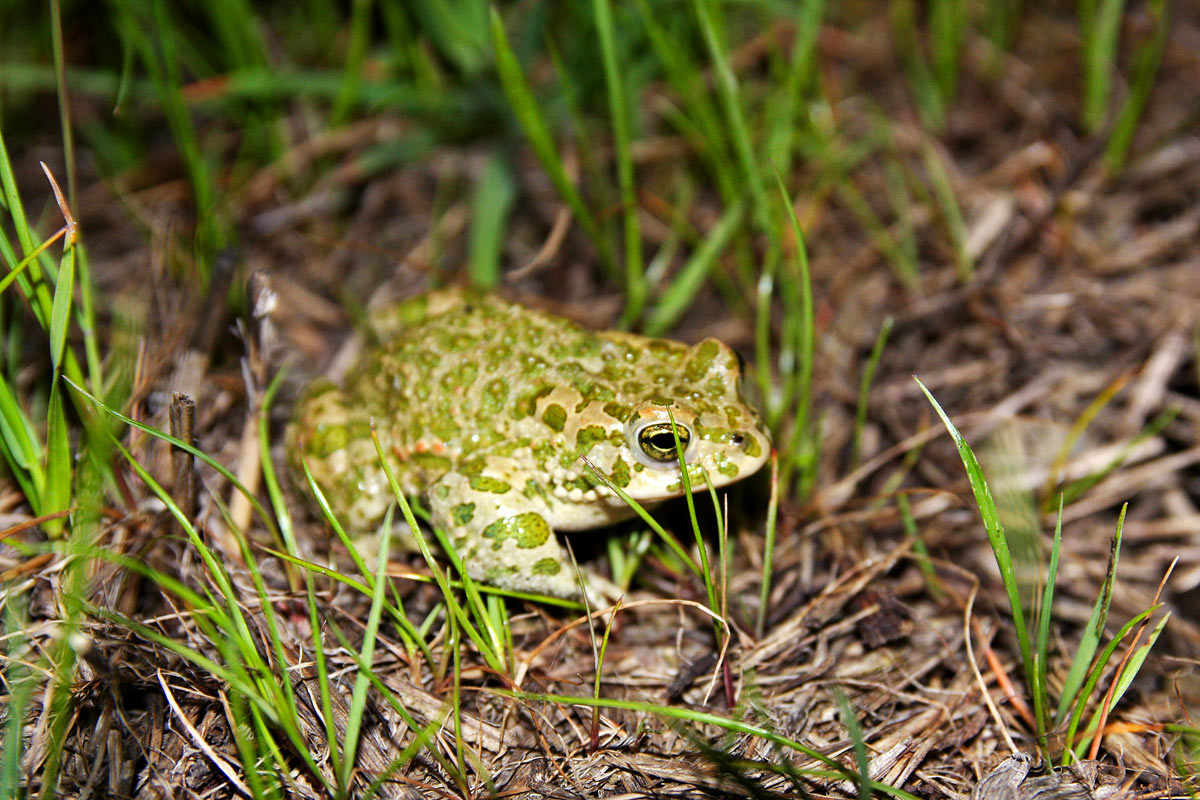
x: 698, y: 400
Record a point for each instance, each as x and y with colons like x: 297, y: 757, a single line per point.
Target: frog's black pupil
x: 663, y: 441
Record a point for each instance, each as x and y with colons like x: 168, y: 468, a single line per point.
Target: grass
x: 224, y: 86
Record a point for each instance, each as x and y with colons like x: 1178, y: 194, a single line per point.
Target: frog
x: 513, y: 424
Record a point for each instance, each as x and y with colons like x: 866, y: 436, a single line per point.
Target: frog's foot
x: 502, y: 537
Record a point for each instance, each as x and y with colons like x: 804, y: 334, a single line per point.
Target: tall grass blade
x: 1146, y: 60
x: 995, y: 533
x: 537, y: 131
x: 491, y: 203
x: 1094, y: 630
x: 621, y: 119
x: 1040, y: 685
x: 682, y: 291
x: 1128, y: 672
x: 1100, y: 28
x: 735, y: 118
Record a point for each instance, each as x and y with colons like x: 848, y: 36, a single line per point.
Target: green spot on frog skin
x: 526, y: 530
x: 463, y: 513
x: 620, y: 473
x: 545, y: 566
x: 587, y: 437
x: 484, y: 483
x: 725, y: 466
x: 705, y: 353
x: 555, y: 416
x: 431, y: 462
x: 750, y: 444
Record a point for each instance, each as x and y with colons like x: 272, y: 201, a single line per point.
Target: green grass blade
x: 60, y: 312
x: 805, y: 442
x: 1094, y: 677
x: 1041, y: 647
x: 537, y: 131
x: 1100, y: 29
x: 864, y: 385
x: 1094, y: 630
x: 679, y: 295
x: 58, y: 461
x: 1132, y: 666
x: 995, y: 533
x: 348, y: 94
x: 491, y: 202
x: 622, y: 122
x: 735, y: 119
x: 855, y: 732
x: 943, y: 191
x: 1146, y: 61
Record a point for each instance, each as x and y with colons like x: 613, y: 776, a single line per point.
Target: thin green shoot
x: 1093, y: 631
x: 358, y: 696
x: 729, y: 96
x: 923, y: 559
x: 764, y: 592
x: 1042, y: 642
x: 1100, y: 29
x: 1146, y: 60
x: 864, y: 386
x: 537, y: 130
x: 681, y: 292
x: 943, y: 191
x: 621, y: 120
x: 804, y: 443
x: 352, y: 69
x: 996, y: 536
x: 662, y: 533
x: 855, y: 732
x: 1094, y: 676
x: 598, y: 653
x: 491, y: 646
x: 685, y: 480
x: 491, y: 202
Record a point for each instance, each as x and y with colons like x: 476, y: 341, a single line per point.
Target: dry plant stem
x: 183, y: 427
x: 1006, y: 685
x: 968, y: 620
x: 203, y: 746
x: 247, y: 472
x: 33, y: 523
x: 1094, y: 750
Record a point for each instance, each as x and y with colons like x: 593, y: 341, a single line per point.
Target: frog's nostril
x: 737, y: 438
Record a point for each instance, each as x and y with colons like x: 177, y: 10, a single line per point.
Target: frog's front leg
x: 500, y: 532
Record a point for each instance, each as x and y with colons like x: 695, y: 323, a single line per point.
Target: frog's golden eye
x: 658, y: 443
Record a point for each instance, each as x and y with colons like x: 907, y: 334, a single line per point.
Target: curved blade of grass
x: 491, y: 202
x: 735, y: 119
x: 1094, y: 677
x: 618, y: 110
x: 1128, y: 673
x: 671, y: 541
x: 1094, y: 630
x: 679, y: 295
x: 995, y: 533
x: 529, y: 116
x: 1040, y: 702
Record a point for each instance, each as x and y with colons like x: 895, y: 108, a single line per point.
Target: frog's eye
x: 657, y: 444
